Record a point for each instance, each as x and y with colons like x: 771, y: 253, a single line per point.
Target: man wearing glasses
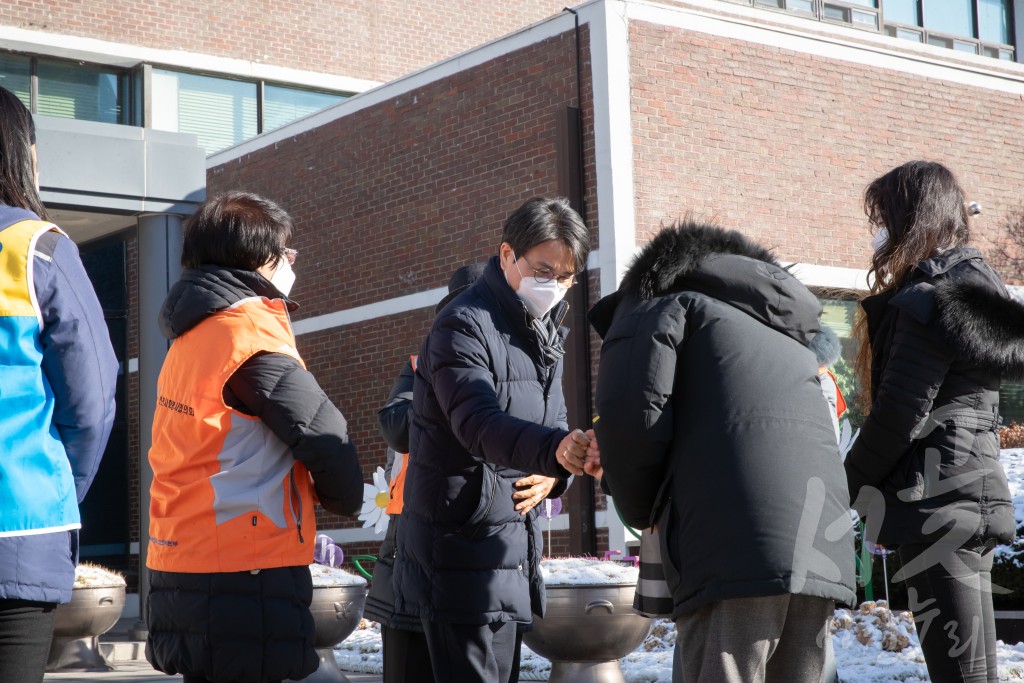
x: 488, y: 409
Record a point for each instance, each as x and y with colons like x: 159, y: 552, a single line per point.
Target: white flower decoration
x: 375, y: 499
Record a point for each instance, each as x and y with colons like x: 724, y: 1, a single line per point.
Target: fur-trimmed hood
x: 960, y: 294
x: 722, y: 264
x: 984, y: 324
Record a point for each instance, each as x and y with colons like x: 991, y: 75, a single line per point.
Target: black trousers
x: 406, y: 656
x: 950, y: 594
x: 26, y: 629
x: 468, y: 653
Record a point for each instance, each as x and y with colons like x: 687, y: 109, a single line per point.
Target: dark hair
x: 921, y: 206
x: 236, y: 230
x: 17, y: 172
x: 541, y: 220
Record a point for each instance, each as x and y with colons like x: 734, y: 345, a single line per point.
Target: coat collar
x: 548, y: 332
x: 203, y: 291
x: 945, y: 261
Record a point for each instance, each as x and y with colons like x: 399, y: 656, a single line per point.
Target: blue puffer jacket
x: 62, y: 356
x: 487, y: 408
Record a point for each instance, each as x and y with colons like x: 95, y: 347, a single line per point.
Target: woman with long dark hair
x: 57, y: 376
x: 938, y: 335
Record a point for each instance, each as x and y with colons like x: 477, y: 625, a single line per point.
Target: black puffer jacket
x: 926, y: 464
x: 713, y: 424
x: 487, y: 409
x: 240, y: 626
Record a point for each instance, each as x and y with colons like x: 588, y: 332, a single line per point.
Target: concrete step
x: 123, y: 650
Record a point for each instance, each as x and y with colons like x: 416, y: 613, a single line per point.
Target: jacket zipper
x: 296, y: 515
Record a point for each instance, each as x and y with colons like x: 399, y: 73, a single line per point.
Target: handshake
x: 578, y: 453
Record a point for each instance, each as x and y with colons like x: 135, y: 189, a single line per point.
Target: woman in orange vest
x: 244, y: 441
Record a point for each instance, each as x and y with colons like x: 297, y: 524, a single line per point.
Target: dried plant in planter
x: 89, y: 575
x: 1012, y: 436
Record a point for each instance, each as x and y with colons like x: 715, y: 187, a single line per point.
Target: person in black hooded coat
x: 937, y: 336
x: 713, y: 428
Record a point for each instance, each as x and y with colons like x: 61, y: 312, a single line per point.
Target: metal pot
x: 78, y: 626
x: 586, y: 630
x: 336, y: 612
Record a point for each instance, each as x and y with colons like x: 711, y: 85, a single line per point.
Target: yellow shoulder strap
x: 17, y: 297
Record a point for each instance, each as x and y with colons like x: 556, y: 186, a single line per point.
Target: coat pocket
x: 488, y: 492
x: 907, y: 482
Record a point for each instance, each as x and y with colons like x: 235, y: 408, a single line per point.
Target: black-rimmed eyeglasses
x: 546, y: 275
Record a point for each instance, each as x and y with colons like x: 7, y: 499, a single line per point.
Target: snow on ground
x: 871, y: 644
x: 860, y: 657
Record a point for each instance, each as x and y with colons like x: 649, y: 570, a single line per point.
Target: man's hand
x: 572, y: 450
x: 532, y: 490
x: 592, y: 462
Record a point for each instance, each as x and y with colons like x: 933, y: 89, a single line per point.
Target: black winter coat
x: 487, y: 409
x: 713, y: 424
x: 238, y: 626
x: 926, y: 466
x: 394, y: 427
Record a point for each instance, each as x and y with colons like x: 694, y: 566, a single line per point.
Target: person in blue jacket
x: 57, y: 377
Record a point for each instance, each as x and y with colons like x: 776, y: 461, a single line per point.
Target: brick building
x: 767, y: 120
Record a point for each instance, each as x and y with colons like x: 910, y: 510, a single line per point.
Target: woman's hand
x: 532, y: 490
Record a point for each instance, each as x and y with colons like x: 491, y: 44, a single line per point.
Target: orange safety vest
x: 227, y: 494
x: 397, y: 490
x: 840, y: 399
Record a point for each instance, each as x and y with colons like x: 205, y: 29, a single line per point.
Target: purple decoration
x: 326, y: 552
x: 879, y: 550
x: 549, y: 509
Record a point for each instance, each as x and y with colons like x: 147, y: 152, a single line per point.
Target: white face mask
x: 880, y: 239
x: 284, y: 277
x: 538, y: 297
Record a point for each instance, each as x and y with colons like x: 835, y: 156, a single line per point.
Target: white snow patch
x: 324, y: 577
x: 586, y: 571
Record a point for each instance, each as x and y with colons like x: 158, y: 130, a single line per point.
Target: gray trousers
x: 783, y: 638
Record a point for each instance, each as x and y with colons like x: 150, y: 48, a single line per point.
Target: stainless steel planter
x: 78, y: 626
x: 586, y: 630
x: 336, y: 611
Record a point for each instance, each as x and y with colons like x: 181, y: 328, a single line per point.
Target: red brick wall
x: 391, y: 199
x: 781, y: 144
x: 377, y: 40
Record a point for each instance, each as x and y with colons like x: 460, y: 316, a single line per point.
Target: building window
x: 67, y: 89
x: 283, y: 105
x: 982, y: 27
x: 88, y: 93
x: 219, y: 111
x: 223, y: 112
x: 16, y: 76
